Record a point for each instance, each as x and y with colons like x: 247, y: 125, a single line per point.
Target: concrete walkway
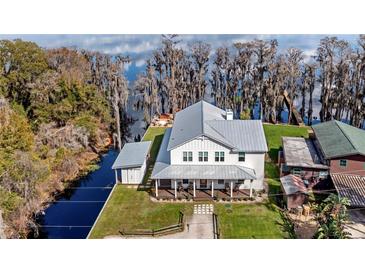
x: 357, y: 225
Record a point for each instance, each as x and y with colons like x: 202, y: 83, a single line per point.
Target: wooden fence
x: 216, y: 231
x: 179, y: 227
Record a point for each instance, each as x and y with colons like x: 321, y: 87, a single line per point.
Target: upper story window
x: 241, y: 156
x: 203, y: 156
x: 187, y: 156
x: 219, y: 156
x: 343, y: 163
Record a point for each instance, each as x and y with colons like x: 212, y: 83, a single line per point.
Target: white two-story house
x: 207, y: 150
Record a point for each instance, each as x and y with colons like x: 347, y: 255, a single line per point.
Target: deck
x: 200, y: 194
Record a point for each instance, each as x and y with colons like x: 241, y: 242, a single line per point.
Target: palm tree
x: 331, y: 216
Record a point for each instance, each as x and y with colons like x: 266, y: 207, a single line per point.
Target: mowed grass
x: 274, y: 133
x: 130, y: 209
x: 248, y: 221
x: 154, y: 134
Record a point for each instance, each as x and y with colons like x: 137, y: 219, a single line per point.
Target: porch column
x: 194, y: 187
x: 157, y: 183
x: 250, y: 188
x: 212, y: 189
x: 175, y: 189
x: 231, y: 189
x: 116, y: 175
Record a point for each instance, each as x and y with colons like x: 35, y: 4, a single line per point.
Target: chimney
x: 229, y: 114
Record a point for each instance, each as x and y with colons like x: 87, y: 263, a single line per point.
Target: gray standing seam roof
x: 204, y: 119
x: 132, y: 155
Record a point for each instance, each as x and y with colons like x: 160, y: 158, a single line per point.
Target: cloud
x: 140, y: 63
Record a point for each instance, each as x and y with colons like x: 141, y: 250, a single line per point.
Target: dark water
x: 74, y: 213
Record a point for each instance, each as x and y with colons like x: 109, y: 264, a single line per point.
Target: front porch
x: 201, y: 194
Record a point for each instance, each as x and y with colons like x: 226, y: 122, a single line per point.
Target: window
x: 190, y: 156
x: 203, y: 156
x: 241, y: 156
x: 216, y: 156
x: 187, y: 156
x: 220, y: 182
x: 185, y: 181
x: 296, y: 171
x: 343, y: 163
x: 219, y: 156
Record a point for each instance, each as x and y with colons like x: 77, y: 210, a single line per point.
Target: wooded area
x: 254, y: 72
x: 58, y: 108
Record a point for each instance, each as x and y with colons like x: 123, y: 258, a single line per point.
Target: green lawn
x: 154, y: 134
x: 130, y: 209
x: 274, y: 133
x: 242, y: 221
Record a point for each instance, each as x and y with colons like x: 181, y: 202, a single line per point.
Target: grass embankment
x: 154, y: 134
x: 129, y: 209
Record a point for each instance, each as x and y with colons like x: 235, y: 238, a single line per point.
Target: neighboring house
x: 131, y: 163
x: 300, y: 157
x: 206, y: 149
x: 343, y: 148
x: 294, y: 190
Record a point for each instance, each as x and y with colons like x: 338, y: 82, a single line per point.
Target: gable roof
x: 338, y: 139
x: 351, y: 187
x: 132, y: 155
x: 204, y: 119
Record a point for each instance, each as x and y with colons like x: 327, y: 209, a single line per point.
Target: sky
x: 139, y: 47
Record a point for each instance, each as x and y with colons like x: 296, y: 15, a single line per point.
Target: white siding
x: 252, y: 160
x: 134, y: 175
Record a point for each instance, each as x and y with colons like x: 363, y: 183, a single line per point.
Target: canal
x: 74, y: 212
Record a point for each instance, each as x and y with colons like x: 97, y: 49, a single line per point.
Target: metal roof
x: 339, y: 139
x: 132, y: 155
x: 300, y: 152
x: 293, y: 184
x: 351, y: 187
x: 204, y: 119
x: 206, y: 172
